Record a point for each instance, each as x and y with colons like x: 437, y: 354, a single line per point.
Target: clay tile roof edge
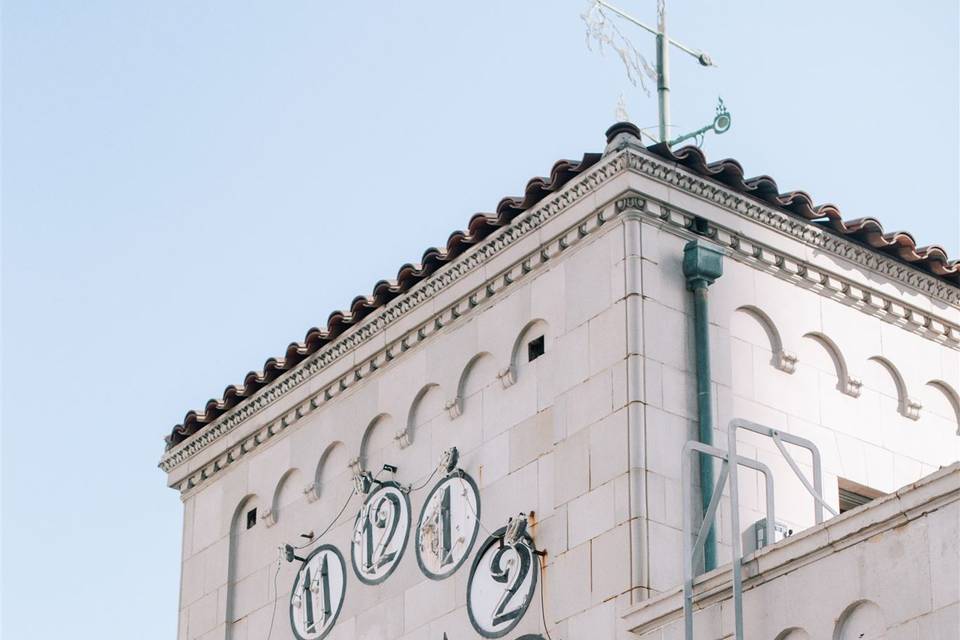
x: 728, y: 172
x: 869, y: 232
x: 480, y: 226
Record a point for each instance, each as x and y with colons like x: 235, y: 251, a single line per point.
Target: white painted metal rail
x: 778, y: 437
x: 729, y: 472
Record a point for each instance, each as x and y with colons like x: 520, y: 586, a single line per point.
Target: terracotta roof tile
x: 480, y: 226
x: 868, y: 231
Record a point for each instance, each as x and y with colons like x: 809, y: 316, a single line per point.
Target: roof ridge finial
x: 622, y: 134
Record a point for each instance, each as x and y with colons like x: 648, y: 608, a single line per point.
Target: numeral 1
x: 446, y: 533
x: 308, y: 621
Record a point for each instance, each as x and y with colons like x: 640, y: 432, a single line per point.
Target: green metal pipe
x: 702, y: 265
x: 701, y: 336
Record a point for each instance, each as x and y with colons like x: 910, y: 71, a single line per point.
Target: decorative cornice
x: 742, y: 249
x: 801, y: 273
x: 425, y: 291
x: 792, y: 226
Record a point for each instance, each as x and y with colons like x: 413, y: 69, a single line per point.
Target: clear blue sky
x: 188, y: 186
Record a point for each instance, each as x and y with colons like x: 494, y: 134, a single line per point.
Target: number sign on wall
x: 503, y: 577
x: 502, y: 582
x: 317, y: 594
x: 448, y: 525
x: 380, y: 533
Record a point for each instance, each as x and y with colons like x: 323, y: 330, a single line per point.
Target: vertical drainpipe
x: 702, y: 264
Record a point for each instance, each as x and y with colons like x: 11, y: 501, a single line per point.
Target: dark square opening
x: 251, y: 518
x: 534, y: 349
x: 701, y: 226
x: 853, y: 495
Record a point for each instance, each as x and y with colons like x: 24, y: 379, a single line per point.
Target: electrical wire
x: 474, y: 511
x: 543, y: 614
x: 329, y: 526
x: 276, y: 597
x: 425, y: 482
x: 353, y: 492
x: 543, y: 609
x: 340, y: 513
x: 319, y: 536
x: 314, y: 540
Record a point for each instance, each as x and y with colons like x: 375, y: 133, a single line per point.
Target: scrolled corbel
x: 454, y: 407
x: 785, y: 361
x: 507, y: 376
x: 911, y: 409
x: 851, y: 386
x: 355, y: 466
x: 269, y: 518
x: 402, y: 438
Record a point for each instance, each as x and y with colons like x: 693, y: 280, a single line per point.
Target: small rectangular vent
x: 851, y: 500
x: 534, y: 349
x: 853, y: 494
x: 251, y: 518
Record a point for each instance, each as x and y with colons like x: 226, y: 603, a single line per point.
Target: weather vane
x: 604, y: 31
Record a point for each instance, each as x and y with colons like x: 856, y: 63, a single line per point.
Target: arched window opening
x: 861, y: 621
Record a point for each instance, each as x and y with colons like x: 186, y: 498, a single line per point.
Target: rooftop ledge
x: 888, y: 512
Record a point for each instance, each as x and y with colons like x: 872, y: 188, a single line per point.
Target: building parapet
x: 813, y: 546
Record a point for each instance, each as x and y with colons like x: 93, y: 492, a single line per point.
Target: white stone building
x: 553, y: 344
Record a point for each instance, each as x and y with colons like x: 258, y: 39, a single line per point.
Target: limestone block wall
x: 548, y: 437
x: 878, y: 401
x: 588, y: 436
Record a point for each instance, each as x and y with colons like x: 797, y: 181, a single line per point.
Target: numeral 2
x: 502, y: 574
x: 375, y: 556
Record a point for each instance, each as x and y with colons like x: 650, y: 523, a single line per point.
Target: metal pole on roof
x: 702, y: 57
x: 663, y: 71
x: 627, y: 53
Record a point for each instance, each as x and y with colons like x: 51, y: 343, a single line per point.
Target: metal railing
x: 729, y: 472
x: 693, y: 552
x: 778, y: 439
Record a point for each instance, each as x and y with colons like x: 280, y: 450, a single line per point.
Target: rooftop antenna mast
x: 606, y: 33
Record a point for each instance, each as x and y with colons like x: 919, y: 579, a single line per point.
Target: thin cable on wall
x: 474, y: 511
x: 425, y: 482
x: 543, y: 608
x: 543, y: 614
x: 276, y: 596
x: 316, y: 538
